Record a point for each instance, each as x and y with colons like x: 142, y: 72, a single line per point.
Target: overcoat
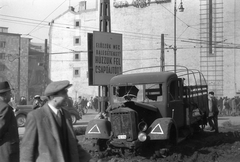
x: 41, y: 141
x: 9, y: 137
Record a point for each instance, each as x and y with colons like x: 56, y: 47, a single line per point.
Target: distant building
x: 206, y: 42
x: 38, y: 70
x: 14, y: 52
x: 68, y: 48
x: 23, y: 64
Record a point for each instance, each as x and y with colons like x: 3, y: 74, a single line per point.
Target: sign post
x: 104, y: 55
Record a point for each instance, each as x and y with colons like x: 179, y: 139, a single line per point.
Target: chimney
x: 71, y: 8
x: 3, y: 29
x: 82, y: 5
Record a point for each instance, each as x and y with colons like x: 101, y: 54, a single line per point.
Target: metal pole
x: 175, y: 46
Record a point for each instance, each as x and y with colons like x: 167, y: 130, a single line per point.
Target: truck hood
x: 144, y: 105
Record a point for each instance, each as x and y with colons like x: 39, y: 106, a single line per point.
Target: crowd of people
x: 229, y: 106
x: 83, y: 104
x: 222, y: 106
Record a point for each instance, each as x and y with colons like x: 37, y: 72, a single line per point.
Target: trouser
x: 213, y: 121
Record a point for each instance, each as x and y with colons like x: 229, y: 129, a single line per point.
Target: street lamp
x: 181, y: 9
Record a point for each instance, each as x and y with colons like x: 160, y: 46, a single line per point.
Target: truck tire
x: 162, y: 147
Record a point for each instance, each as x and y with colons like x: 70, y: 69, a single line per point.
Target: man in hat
x: 213, y: 112
x: 9, y: 137
x: 49, y: 135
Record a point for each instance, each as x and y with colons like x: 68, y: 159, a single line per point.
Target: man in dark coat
x: 49, y: 135
x: 9, y: 137
x: 213, y: 112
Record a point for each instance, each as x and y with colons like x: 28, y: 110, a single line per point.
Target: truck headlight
x: 142, y: 136
x: 142, y: 126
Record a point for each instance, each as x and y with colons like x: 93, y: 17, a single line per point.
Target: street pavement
x: 234, y: 120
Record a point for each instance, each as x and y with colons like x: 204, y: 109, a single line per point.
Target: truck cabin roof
x: 142, y: 78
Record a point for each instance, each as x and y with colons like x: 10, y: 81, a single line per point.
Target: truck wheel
x: 21, y: 120
x: 162, y: 147
x: 74, y: 120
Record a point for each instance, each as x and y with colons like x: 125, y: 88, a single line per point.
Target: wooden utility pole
x: 19, y: 70
x: 162, y: 57
x: 104, y: 26
x: 45, y: 65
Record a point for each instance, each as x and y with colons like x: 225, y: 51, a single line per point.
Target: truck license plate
x: 122, y: 137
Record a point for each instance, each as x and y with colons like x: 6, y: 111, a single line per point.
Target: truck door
x: 175, y: 101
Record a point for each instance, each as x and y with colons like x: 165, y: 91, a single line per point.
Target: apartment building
x: 13, y: 57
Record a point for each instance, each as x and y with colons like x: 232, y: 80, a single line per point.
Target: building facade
x: 206, y: 39
x: 13, y: 60
x: 38, y: 69
x: 23, y: 64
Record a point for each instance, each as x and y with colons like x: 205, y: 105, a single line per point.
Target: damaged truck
x: 153, y: 110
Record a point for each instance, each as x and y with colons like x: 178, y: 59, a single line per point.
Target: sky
x: 30, y: 17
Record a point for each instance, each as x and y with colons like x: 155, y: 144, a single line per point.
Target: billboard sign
x: 106, y: 57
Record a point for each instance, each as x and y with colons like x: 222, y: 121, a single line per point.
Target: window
x: 77, y: 41
x: 128, y: 92
x: 77, y: 23
x: 153, y: 92
x: 2, y: 56
x: 2, y: 44
x: 76, y: 72
x: 76, y: 56
x: 174, y: 90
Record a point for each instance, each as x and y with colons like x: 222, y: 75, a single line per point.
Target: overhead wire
x: 129, y: 36
x: 47, y: 16
x: 87, y: 28
x: 54, y: 44
x: 137, y: 37
x: 178, y: 17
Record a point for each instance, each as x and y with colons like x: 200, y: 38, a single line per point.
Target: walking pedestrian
x: 226, y: 106
x: 213, y: 112
x: 234, y: 107
x: 9, y: 137
x: 49, y: 135
x: 220, y: 105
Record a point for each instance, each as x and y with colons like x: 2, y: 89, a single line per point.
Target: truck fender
x: 98, y: 129
x: 161, y: 129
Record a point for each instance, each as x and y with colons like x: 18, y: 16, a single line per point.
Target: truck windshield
x: 137, y: 93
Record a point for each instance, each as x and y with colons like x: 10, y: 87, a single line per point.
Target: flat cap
x: 56, y: 86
